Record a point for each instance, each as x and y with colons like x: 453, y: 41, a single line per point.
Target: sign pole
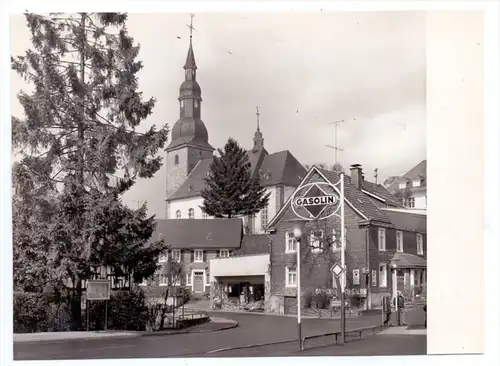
x: 299, y: 302
x: 105, y: 314
x: 88, y: 317
x: 342, y: 260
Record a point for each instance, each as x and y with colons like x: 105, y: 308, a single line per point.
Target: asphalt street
x: 252, y: 329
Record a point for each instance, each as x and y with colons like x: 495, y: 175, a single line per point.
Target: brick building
x: 385, y: 246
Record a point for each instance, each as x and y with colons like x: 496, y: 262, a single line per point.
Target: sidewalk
x: 215, y: 324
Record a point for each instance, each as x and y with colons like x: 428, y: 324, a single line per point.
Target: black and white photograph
x: 220, y: 184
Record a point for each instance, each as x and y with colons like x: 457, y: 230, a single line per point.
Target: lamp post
x: 297, y: 234
x: 342, y: 262
x: 395, y: 289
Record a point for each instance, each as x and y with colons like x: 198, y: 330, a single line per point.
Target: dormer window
x: 402, y: 185
x: 416, y: 183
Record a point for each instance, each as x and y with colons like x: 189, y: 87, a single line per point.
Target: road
x: 252, y: 329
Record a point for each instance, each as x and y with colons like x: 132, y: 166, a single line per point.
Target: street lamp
x: 395, y: 289
x: 297, y: 234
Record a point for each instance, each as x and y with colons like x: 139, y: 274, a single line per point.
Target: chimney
x: 357, y: 175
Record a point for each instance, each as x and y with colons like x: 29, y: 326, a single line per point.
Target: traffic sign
x: 337, y: 270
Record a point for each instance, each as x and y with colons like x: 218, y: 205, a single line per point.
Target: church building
x: 190, y: 154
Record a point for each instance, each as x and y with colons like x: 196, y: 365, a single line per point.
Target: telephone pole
x: 335, y: 147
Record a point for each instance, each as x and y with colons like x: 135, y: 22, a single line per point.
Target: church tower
x: 189, y: 136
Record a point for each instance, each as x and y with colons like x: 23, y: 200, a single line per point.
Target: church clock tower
x: 189, y: 136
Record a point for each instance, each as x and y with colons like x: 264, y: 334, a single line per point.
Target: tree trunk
x: 76, y: 307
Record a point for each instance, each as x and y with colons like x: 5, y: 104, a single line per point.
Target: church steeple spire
x: 190, y: 129
x: 258, y: 140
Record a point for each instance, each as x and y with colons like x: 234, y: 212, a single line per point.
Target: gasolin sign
x: 315, y: 200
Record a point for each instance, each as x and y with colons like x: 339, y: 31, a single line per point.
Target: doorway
x: 198, y: 281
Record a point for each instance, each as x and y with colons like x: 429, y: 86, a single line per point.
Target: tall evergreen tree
x: 231, y: 190
x: 79, y: 150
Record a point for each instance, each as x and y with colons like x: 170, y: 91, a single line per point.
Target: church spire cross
x: 258, y: 121
x: 190, y: 26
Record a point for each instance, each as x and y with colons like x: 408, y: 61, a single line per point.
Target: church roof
x: 278, y: 168
x: 189, y: 130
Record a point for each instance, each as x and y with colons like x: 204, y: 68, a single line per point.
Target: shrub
x: 127, y: 310
x: 322, y: 300
x: 308, y: 298
x: 31, y: 312
x: 355, y: 301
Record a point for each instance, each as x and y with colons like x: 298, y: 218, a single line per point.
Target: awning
x: 407, y: 260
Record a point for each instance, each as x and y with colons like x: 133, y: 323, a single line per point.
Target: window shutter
x: 204, y: 256
x: 192, y: 256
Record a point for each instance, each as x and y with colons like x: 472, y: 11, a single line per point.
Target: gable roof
x: 200, y: 233
x: 357, y: 199
x: 408, y: 220
x: 283, y: 168
x: 419, y: 170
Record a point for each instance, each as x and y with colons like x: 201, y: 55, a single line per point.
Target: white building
x: 411, y: 188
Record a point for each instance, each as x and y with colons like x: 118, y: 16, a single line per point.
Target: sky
x: 303, y: 70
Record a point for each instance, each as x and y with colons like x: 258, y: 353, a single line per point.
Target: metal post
x: 299, y: 302
x: 105, y: 314
x: 342, y: 260
x: 88, y: 317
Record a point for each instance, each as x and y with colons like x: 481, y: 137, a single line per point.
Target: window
x: 411, y: 202
x: 291, y: 245
x: 163, y: 257
x: 374, y: 277
x: 207, y: 277
x: 316, y: 241
x: 416, y: 183
x: 263, y: 218
x: 204, y: 215
x: 420, y: 244
x: 188, y: 279
x: 399, y: 241
x: 178, y: 214
x: 381, y: 239
x: 182, y: 103
x: 163, y: 280
x: 224, y: 253
x: 191, y: 213
x: 402, y: 185
x: 382, y: 274
x: 196, y: 103
x: 336, y: 241
x: 198, y: 255
x: 291, y: 277
x: 176, y: 160
x: 176, y: 255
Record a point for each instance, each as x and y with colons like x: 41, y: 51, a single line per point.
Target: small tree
x: 173, y: 272
x: 231, y: 189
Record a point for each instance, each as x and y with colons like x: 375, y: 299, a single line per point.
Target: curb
x: 224, y: 326
x: 187, y: 331
x: 373, y: 327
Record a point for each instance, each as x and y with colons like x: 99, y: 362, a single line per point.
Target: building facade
x: 411, y: 188
x: 385, y: 247
x: 193, y: 244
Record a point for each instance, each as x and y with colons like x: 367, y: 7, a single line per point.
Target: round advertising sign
x: 315, y: 201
